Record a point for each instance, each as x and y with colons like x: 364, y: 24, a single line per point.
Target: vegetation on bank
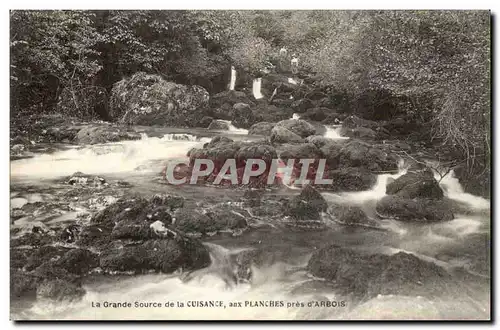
x: 431, y: 68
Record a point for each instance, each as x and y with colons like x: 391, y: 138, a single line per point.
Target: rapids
x: 457, y: 243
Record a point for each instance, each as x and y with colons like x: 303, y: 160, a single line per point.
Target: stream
x: 462, y: 242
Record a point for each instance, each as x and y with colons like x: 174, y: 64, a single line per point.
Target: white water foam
x: 334, y: 133
x: 120, y: 157
x: 454, y: 190
x: 361, y: 197
x: 256, y: 88
x: 232, y: 82
x: 272, y: 283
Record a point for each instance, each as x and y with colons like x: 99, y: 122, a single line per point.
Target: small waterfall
x: 256, y: 88
x: 333, y: 133
x: 233, y: 79
x: 114, y: 157
x: 454, y: 190
x: 374, y: 194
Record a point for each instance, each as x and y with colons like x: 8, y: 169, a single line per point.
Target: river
x: 462, y: 242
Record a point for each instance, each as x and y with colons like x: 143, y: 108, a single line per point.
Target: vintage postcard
x: 250, y: 165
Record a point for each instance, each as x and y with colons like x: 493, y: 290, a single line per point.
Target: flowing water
x: 333, y: 132
x: 282, y: 277
x: 232, y: 82
x: 256, y: 88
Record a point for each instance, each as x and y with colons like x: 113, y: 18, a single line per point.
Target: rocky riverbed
x: 93, y: 218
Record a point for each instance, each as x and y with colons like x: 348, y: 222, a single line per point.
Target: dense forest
x: 430, y: 68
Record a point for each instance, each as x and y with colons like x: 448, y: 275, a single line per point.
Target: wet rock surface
x: 299, y: 127
x: 219, y: 125
x: 262, y: 128
x: 95, y: 134
x: 419, y: 184
x: 98, y: 226
x: 131, y: 235
x: 146, y: 99
x: 368, y: 275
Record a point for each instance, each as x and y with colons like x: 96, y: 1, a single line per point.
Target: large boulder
x: 218, y: 153
x: 414, y: 210
x: 330, y: 149
x: 224, y: 112
x: 351, y: 215
x: 219, y: 140
x: 162, y: 255
x: 355, y: 153
x: 350, y: 179
x: 147, y: 99
x: 43, y: 254
x: 137, y: 211
x: 193, y: 221
x: 121, y: 210
x: 300, y: 127
x: 307, y: 205
x: 262, y: 128
x: 313, y: 197
x: 256, y: 151
x: 219, y: 125
x: 94, y: 236
x: 78, y: 261
x: 281, y: 134
x: 367, y: 275
x: 318, y: 140
x: 215, y: 220
x: 242, y: 115
x: 271, y: 113
x: 94, y: 134
x: 299, y: 151
x: 141, y: 228
x: 419, y: 184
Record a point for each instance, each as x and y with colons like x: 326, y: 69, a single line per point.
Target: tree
x: 50, y: 50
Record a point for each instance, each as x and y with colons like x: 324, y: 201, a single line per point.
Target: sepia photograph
x: 250, y: 165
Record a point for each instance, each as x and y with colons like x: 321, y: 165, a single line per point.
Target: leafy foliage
x: 430, y: 67
x: 50, y: 49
